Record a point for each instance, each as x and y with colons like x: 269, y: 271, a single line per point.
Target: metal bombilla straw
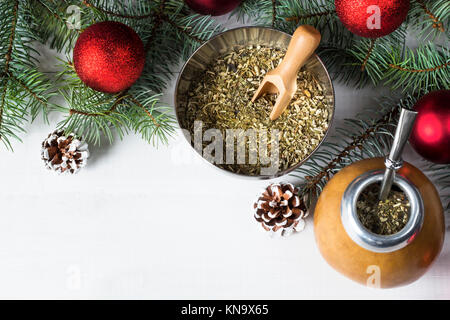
x: 394, y: 161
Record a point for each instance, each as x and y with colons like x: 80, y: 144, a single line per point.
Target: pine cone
x: 280, y: 210
x: 64, y: 154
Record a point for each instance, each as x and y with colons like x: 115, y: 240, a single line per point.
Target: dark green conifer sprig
x: 430, y: 18
x: 320, y: 13
x: 24, y: 90
x: 49, y: 20
x: 440, y: 174
x: 427, y: 67
x: 260, y: 12
x: 92, y: 115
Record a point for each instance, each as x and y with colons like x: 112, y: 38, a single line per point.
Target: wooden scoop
x: 283, y: 79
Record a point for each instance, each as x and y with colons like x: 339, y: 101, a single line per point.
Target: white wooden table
x: 146, y: 223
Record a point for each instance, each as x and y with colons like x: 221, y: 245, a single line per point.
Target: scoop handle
x: 304, y: 42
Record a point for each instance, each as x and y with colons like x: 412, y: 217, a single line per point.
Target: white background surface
x: 146, y: 223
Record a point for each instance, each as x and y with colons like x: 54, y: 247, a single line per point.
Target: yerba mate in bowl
x: 213, y: 104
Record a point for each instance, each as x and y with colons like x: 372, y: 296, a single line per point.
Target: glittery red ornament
x: 109, y: 57
x: 213, y: 7
x: 372, y: 18
x: 431, y: 133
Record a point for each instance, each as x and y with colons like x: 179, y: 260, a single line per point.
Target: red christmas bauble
x: 213, y: 7
x: 372, y: 18
x: 109, y: 57
x: 431, y: 133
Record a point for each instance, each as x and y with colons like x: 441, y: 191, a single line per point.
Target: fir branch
x: 344, y: 63
x: 321, y: 14
x: 156, y: 25
x: 123, y: 95
x: 50, y: 26
x: 33, y: 94
x: 3, y: 100
x: 53, y: 13
x: 260, y: 12
x: 181, y: 29
x: 426, y: 67
x: 357, y: 142
x: 132, y: 99
x: 442, y: 66
x: 117, y: 101
x: 90, y: 115
x: 430, y: 19
x: 297, y: 19
x: 440, y: 174
x: 253, y: 10
x: 88, y: 4
x: 369, y: 53
x: 144, y: 113
x: 8, y: 56
x: 36, y: 91
x: 437, y: 24
x: 274, y: 12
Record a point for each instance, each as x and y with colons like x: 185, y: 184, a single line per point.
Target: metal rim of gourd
x: 364, y: 237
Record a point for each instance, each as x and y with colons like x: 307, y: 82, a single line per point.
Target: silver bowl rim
x: 279, y: 173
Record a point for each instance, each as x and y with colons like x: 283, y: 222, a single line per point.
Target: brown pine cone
x: 280, y: 210
x: 64, y: 154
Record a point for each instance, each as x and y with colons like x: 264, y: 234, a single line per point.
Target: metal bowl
x: 237, y: 39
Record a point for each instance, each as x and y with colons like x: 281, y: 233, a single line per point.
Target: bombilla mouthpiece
x: 394, y: 160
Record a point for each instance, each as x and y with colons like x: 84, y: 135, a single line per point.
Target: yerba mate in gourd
x: 385, y: 217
